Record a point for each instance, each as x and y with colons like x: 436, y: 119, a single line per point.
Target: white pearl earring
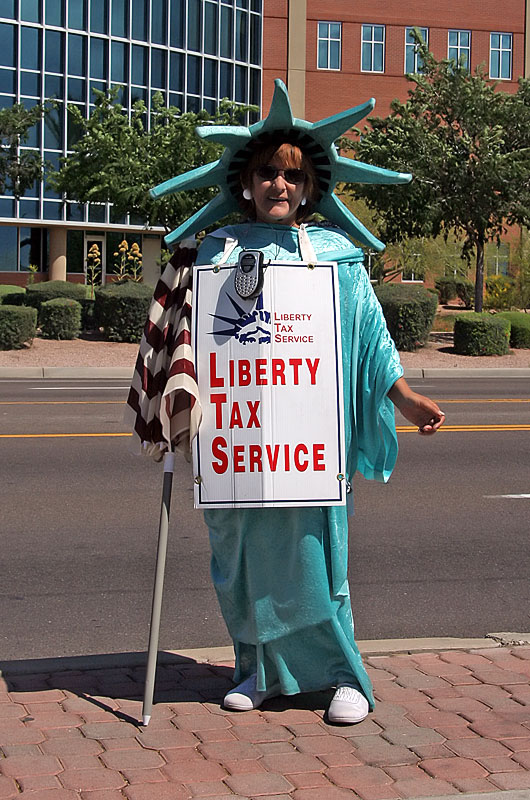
x: 303, y: 201
x: 247, y: 194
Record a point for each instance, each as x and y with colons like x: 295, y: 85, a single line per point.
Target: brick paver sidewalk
x: 445, y: 722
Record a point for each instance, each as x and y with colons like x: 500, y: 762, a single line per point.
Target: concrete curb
x: 478, y: 372
x: 125, y: 373
x: 88, y: 373
x: 369, y: 647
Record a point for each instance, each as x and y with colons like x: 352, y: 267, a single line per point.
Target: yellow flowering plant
x: 129, y: 261
x: 93, y: 268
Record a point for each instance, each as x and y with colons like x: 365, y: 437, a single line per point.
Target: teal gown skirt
x: 281, y: 573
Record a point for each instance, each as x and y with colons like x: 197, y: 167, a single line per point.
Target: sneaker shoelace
x: 347, y: 694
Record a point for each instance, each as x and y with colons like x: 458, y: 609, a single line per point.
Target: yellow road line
x: 122, y: 402
x: 467, y: 428
x: 399, y: 429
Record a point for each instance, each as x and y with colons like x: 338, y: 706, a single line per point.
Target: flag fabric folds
x: 163, y: 403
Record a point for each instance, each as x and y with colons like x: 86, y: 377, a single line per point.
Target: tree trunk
x: 479, y: 275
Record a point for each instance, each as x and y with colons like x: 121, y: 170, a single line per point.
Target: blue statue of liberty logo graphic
x: 249, y: 326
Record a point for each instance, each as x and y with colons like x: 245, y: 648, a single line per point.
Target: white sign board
x: 269, y: 372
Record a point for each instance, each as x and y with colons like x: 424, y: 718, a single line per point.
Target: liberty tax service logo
x: 247, y: 327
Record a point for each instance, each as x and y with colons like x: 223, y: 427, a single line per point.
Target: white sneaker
x: 245, y: 697
x: 348, y: 705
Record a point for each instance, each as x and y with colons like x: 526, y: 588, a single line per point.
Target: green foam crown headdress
x: 315, y: 139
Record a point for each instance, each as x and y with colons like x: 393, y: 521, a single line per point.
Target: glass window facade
x: 372, y: 48
x: 193, y: 52
x: 329, y: 45
x: 22, y: 246
x: 501, y: 56
x: 459, y: 48
x: 413, y: 61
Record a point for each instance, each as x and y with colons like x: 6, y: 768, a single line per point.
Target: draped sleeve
x: 371, y: 367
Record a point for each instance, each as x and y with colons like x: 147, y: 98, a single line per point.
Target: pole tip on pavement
x: 145, y: 719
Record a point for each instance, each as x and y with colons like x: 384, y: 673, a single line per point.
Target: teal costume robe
x: 281, y: 573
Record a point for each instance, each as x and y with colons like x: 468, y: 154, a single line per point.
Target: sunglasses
x: 268, y: 173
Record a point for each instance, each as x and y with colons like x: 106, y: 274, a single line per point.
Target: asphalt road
x: 442, y: 550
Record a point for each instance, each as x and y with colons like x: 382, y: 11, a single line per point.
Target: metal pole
x: 169, y: 465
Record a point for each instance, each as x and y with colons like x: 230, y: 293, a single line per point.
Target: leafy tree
x: 522, y: 274
x: 467, y: 145
x: 117, y: 160
x: 19, y: 169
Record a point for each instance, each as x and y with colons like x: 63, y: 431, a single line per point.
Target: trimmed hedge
x: 409, y: 312
x: 520, y: 328
x: 17, y: 326
x: 465, y: 290
x: 39, y: 293
x: 446, y: 288
x: 60, y: 318
x: 8, y: 293
x: 452, y: 286
x: 121, y: 310
x: 481, y: 335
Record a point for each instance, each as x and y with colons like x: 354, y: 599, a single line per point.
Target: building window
x: 410, y: 275
x: 7, y: 45
x: 8, y: 248
x: 329, y: 45
x: 413, y: 60
x: 459, y: 48
x: 373, y: 48
x: 22, y: 247
x: 501, y: 56
x: 497, y: 258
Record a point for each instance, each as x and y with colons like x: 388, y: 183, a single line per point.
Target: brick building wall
x: 329, y: 91
x: 275, y: 35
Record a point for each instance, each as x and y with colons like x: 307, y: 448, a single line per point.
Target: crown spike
x: 335, y: 210
x: 232, y: 136
x: 198, y: 178
x: 219, y: 207
x: 280, y: 114
x: 350, y: 171
x: 329, y: 129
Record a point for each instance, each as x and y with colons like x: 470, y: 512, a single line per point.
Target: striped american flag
x: 163, y: 403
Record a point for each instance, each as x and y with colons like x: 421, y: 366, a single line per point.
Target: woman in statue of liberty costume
x: 281, y: 573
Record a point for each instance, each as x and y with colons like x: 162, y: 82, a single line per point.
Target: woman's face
x: 276, y: 200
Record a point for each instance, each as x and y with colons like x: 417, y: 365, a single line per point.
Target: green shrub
x: 88, y: 319
x: 500, y: 292
x: 481, y: 335
x: 451, y: 286
x: 409, y: 312
x: 17, y: 326
x: 445, y: 285
x: 8, y: 292
x: 465, y: 290
x: 39, y: 293
x: 121, y: 310
x: 60, y: 318
x: 520, y: 328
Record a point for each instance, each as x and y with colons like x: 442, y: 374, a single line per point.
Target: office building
x: 193, y: 51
